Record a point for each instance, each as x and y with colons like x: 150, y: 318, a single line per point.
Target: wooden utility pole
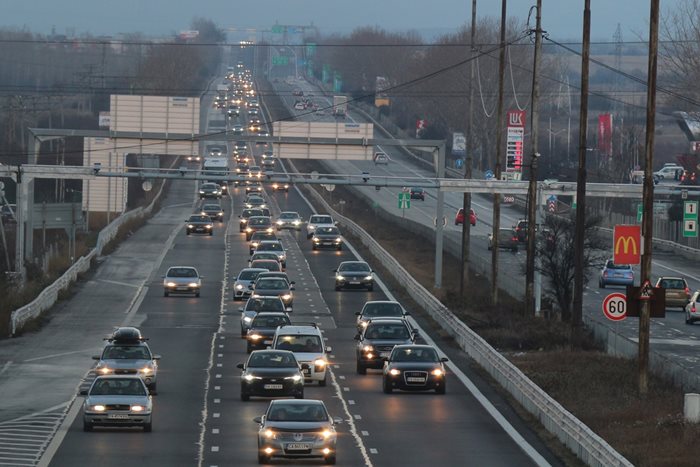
x: 648, y: 197
x: 497, y: 157
x: 534, y: 155
x: 467, y: 200
x: 577, y: 312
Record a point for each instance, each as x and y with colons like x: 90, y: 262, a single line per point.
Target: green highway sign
x: 277, y: 29
x: 640, y: 212
x: 690, y: 218
x: 404, y: 200
x: 280, y: 60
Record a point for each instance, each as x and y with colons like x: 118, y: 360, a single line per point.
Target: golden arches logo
x: 626, y: 242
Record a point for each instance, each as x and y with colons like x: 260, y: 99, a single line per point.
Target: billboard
x: 605, y: 134
x: 515, y: 130
x: 627, y: 244
x: 329, y: 131
x: 154, y: 114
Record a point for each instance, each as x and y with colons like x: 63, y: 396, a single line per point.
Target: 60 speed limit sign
x: 615, y: 306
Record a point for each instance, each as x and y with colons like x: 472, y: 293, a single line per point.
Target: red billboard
x: 627, y: 244
x: 605, y: 134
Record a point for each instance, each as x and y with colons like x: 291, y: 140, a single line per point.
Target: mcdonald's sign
x: 627, y: 244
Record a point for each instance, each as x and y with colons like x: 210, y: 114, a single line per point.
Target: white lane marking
x: 51, y: 356
x: 214, y: 431
x: 5, y: 367
x: 365, y: 433
x: 215, y: 449
x: 357, y: 417
x: 527, y: 448
x: 61, y: 433
x: 125, y: 284
x: 351, y: 423
x: 346, y: 389
x: 677, y: 271
x: 216, y: 415
x: 217, y: 401
x: 373, y: 451
x: 351, y: 402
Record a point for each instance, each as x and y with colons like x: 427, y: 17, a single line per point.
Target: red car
x: 459, y: 218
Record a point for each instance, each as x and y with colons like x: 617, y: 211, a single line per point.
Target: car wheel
x: 386, y: 386
x: 313, y: 247
x: 361, y: 369
x: 287, y: 190
x: 340, y: 247
x: 247, y: 238
x: 87, y: 426
x: 166, y: 293
x: 188, y: 232
x: 601, y: 284
x: 308, y: 236
x: 278, y: 229
x: 263, y: 458
x: 245, y: 397
x: 441, y: 389
x: 243, y: 333
x: 370, y: 288
x: 688, y: 320
x: 211, y: 233
x: 330, y: 460
x: 324, y: 381
x: 153, y: 389
x: 248, y: 348
x: 148, y: 427
x: 490, y: 247
x: 337, y: 288
x: 196, y: 294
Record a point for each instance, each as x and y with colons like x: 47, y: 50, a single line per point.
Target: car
x: 255, y: 171
x: 308, y: 345
x: 417, y: 193
x: 268, y: 163
x: 280, y: 186
x: 677, y: 291
x: 377, y: 340
x: 117, y: 400
x: 253, y: 187
x: 182, y: 280
x: 378, y: 309
x: 354, y: 274
x: 327, y: 237
x: 263, y: 132
x: 459, y: 217
x: 262, y: 330
x: 257, y: 224
x: 263, y: 255
x: 615, y: 274
x: 381, y: 158
x: 240, y: 146
x: 254, y: 127
x: 297, y: 429
x: 507, y: 240
x: 318, y: 220
x: 289, y: 220
x: 271, y: 373
x: 255, y: 201
x: 269, y: 264
x: 245, y: 277
x: 210, y: 190
x: 237, y: 129
x: 194, y: 158
x: 255, y: 305
x: 280, y: 274
x: 258, y: 237
x: 521, y: 230
x: 214, y: 211
x: 216, y: 151
x: 273, y: 246
x: 198, y: 223
x: 233, y: 113
x: 414, y: 368
x: 270, y: 286
x: 253, y: 110
x: 247, y: 214
x: 126, y: 353
x: 297, y: 92
x: 670, y: 172
x: 692, y: 308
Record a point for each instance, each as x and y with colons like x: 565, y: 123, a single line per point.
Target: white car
x: 306, y: 341
x: 316, y: 221
x: 381, y: 158
x: 670, y: 172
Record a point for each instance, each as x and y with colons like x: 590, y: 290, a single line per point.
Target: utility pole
x: 577, y: 312
x: 497, y: 158
x: 648, y: 197
x: 530, y: 308
x: 467, y: 200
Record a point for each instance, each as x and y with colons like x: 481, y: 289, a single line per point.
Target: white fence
x: 588, y: 446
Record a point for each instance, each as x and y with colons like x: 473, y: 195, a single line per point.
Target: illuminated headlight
x: 239, y: 287
x: 367, y: 348
x: 269, y: 434
x: 249, y: 229
x: 317, y: 240
x: 147, y: 370
x: 280, y: 222
x: 201, y: 192
x: 338, y: 240
x: 364, y: 324
x: 394, y: 372
x: 268, y: 230
x: 221, y: 213
x: 244, y: 221
x: 296, y: 222
x: 368, y: 278
x: 190, y: 226
x: 251, y: 377
x: 437, y: 372
x: 286, y: 297
x: 312, y: 227
x: 327, y: 434
x: 247, y: 319
x: 255, y: 336
x: 275, y: 186
x: 295, y: 378
x: 207, y: 226
x: 320, y: 363
x: 105, y: 370
x: 137, y: 408
x: 193, y: 284
x: 339, y: 278
x: 171, y: 284
x: 98, y: 408
x: 204, y: 213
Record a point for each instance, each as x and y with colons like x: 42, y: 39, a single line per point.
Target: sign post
x: 690, y: 218
x: 627, y: 242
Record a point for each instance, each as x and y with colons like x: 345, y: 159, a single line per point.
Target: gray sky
x: 561, y: 18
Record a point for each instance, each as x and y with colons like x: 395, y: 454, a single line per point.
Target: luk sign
x: 627, y: 244
x: 514, y: 141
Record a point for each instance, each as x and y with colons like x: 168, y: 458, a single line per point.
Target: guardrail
x: 587, y: 445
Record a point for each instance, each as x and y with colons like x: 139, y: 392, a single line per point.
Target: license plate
x: 414, y: 379
x: 118, y: 416
x: 384, y: 354
x: 298, y: 446
x: 355, y: 282
x: 328, y: 243
x: 267, y: 342
x: 272, y: 386
x: 182, y: 288
x: 306, y: 371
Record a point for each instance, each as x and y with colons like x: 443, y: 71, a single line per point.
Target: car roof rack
x: 126, y: 335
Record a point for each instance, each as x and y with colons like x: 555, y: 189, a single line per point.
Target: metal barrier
x: 587, y: 445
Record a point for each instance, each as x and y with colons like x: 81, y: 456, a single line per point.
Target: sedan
x: 296, y: 429
x: 271, y: 373
x: 269, y: 264
x: 255, y: 201
x: 117, y: 401
x: 210, y: 190
x: 243, y: 280
x: 245, y: 215
x: 327, y: 237
x: 252, y: 187
x: 182, y: 279
x: 270, y: 286
x: 379, y: 309
x: 258, y: 224
x: 214, y: 211
x: 262, y: 329
x: 273, y: 246
x: 255, y: 305
x: 616, y: 274
x: 459, y: 217
x: 280, y: 186
x: 507, y: 239
x: 199, y: 224
x: 237, y: 129
x: 378, y: 339
x: 259, y: 237
x: 677, y: 291
x: 289, y: 220
x: 414, y: 368
x: 417, y: 193
x: 692, y: 309
x: 354, y: 274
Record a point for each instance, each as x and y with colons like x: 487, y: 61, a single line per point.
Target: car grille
x: 384, y: 348
x: 118, y: 407
x: 125, y: 372
x: 415, y: 374
x: 293, y: 437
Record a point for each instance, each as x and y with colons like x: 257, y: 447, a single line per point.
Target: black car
x: 521, y: 230
x: 262, y: 329
x: 414, y: 368
x: 214, y: 211
x: 418, y: 193
x: 354, y: 274
x: 210, y: 190
x: 270, y: 373
x: 253, y: 187
x: 379, y: 309
x: 258, y: 224
x: 258, y: 237
x: 375, y: 343
x: 200, y: 224
x: 327, y: 237
x: 245, y: 215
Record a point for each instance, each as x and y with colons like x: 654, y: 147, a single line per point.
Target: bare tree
x: 680, y: 49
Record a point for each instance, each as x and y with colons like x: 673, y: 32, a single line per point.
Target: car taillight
x: 687, y: 291
x: 515, y: 239
x: 692, y: 309
x: 605, y: 273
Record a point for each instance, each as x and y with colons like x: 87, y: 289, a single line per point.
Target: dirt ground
x: 599, y: 389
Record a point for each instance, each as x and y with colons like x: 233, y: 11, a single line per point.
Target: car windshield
x: 251, y: 212
x: 266, y: 264
x: 248, y: 275
x: 328, y: 231
x: 300, y: 343
x: 199, y: 219
x: 354, y: 267
x: 272, y: 284
x: 208, y: 186
x: 372, y: 310
x: 612, y: 265
x: 264, y: 255
x: 387, y: 331
x: 260, y: 236
x: 413, y: 354
x: 321, y: 220
x: 126, y: 352
x: 311, y: 412
x: 272, y: 360
x: 267, y: 321
x: 416, y: 190
x: 672, y: 283
x: 259, y: 221
x: 271, y: 247
x: 211, y: 207
x: 181, y: 272
x: 118, y: 387
x: 289, y: 215
x: 264, y: 304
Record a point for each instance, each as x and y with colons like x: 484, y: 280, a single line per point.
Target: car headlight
x: 247, y: 319
x: 280, y: 222
x: 190, y: 226
x: 437, y: 372
x: 201, y: 192
x: 147, y: 370
x: 287, y: 297
x: 312, y: 227
x: 244, y: 221
x: 171, y: 284
x: 193, y: 284
x: 137, y: 408
x: 367, y: 348
x: 255, y: 336
x: 339, y: 278
x: 207, y: 226
x: 203, y: 213
x: 338, y: 240
x: 320, y: 362
x: 295, y: 378
x: 269, y: 434
x: 269, y: 230
x: 104, y: 370
x: 327, y: 434
x: 296, y: 222
x: 221, y: 213
x: 317, y: 240
x: 249, y: 229
x: 364, y: 324
x: 368, y: 278
x: 394, y: 372
x: 98, y: 408
x: 239, y: 287
x: 251, y: 377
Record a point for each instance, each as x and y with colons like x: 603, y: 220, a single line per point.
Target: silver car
x: 244, y: 279
x: 126, y: 353
x: 289, y: 220
x: 273, y: 246
x: 270, y: 286
x: 117, y: 401
x: 254, y: 305
x: 318, y: 220
x: 297, y: 428
x: 182, y: 279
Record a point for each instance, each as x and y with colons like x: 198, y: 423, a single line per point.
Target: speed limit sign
x: 615, y: 306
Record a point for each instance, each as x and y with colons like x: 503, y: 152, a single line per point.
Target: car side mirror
x: 157, y: 357
x: 95, y: 357
x: 337, y: 420
x: 406, y: 313
x: 258, y: 420
x: 83, y: 392
x: 329, y: 349
x: 240, y: 310
x: 358, y: 313
x: 292, y: 283
x: 241, y: 366
x: 357, y: 337
x: 444, y: 359
x: 291, y: 287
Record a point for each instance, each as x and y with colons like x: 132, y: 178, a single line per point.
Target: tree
x: 555, y: 250
x: 680, y: 51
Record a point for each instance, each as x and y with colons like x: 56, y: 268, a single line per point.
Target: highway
x: 669, y: 335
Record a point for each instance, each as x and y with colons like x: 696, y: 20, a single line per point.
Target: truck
x: 217, y: 167
x: 222, y: 88
x: 340, y: 106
